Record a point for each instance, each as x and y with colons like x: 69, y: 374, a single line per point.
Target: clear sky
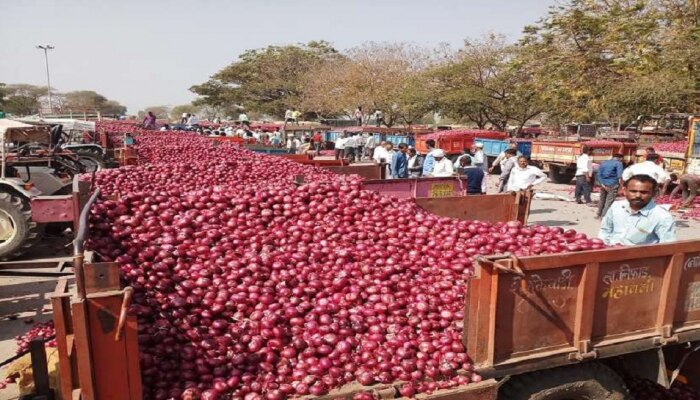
x: 149, y: 52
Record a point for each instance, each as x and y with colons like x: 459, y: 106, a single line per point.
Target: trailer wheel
x: 18, y: 232
x: 590, y: 381
x: 558, y: 176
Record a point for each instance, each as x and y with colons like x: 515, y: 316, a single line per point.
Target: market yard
x: 350, y: 201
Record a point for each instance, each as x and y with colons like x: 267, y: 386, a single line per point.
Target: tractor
x: 35, y: 186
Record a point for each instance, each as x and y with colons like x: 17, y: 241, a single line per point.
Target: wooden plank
x: 62, y: 324
x: 492, y: 310
x: 83, y: 354
x: 130, y: 338
x: 583, y: 324
x: 609, y: 255
x: 101, y: 277
x: 669, y: 294
x: 40, y: 370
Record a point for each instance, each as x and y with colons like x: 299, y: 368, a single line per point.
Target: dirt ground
x: 27, y: 300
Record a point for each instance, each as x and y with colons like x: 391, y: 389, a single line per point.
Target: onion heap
x: 40, y: 329
x: 248, y: 286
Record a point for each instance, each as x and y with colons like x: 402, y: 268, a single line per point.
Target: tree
x: 161, y: 112
x: 23, y: 99
x: 486, y: 82
x: 264, y: 80
x: 177, y: 111
x: 376, y: 76
x: 3, y: 93
x: 91, y: 101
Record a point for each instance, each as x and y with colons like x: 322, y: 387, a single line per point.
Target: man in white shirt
x: 479, y: 158
x: 192, y: 120
x: 649, y: 167
x: 443, y: 166
x: 584, y: 175
x: 340, y: 146
x: 524, y: 176
x: 350, y: 144
x: 384, y: 152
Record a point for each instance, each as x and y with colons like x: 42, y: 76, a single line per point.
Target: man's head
x: 412, y: 152
x: 403, y: 147
x: 438, y: 154
x: 587, y: 150
x: 618, y: 156
x: 430, y: 143
x: 653, y: 157
x: 389, y: 146
x: 513, y: 145
x: 465, y: 161
x: 510, y: 153
x: 382, y: 143
x: 650, y: 150
x: 478, y: 146
x: 522, y: 162
x: 639, y: 190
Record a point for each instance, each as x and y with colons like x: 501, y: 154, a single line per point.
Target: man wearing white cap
x: 479, y: 159
x: 443, y: 166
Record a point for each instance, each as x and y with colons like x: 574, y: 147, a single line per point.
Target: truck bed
x: 554, y: 310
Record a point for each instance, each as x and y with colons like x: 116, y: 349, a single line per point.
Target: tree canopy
x: 585, y: 60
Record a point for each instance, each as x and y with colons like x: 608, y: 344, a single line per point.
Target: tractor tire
x: 18, y: 233
x: 557, y: 176
x: 590, y: 381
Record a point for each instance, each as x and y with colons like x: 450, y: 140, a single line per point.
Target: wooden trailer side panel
x: 564, y: 308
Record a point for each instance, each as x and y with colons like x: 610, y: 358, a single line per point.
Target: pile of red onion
x: 680, y: 146
x: 249, y: 286
x: 41, y: 329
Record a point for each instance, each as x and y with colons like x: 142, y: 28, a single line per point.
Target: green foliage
x: 264, y: 80
x: 23, y: 99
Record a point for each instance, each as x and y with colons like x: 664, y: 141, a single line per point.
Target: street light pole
x: 46, y: 49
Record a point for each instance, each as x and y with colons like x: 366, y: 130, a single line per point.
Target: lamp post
x: 46, y: 49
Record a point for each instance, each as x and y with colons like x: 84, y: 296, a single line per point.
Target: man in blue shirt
x: 637, y: 219
x: 476, y: 184
x: 429, y: 161
x: 609, y: 175
x: 399, y: 162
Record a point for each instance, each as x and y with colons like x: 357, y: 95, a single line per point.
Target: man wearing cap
x: 443, y: 166
x: 479, y: 158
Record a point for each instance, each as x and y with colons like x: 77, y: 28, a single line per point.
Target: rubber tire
x: 589, y: 381
x: 28, y: 231
x: 557, y: 176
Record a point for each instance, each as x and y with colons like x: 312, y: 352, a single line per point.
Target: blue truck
x: 494, y: 147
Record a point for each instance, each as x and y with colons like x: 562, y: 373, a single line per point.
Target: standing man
x: 649, y: 167
x: 359, y: 115
x: 415, y: 164
x: 370, y: 144
x: 316, y: 139
x: 442, y: 166
x: 379, y: 117
x: 360, y: 145
x: 584, y: 174
x: 296, y: 116
x: 288, y: 117
x: 243, y: 119
x: 524, y: 176
x: 350, y: 144
x: 183, y: 119
x: 149, y: 122
x: 399, y: 163
x: 609, y: 177
x: 501, y: 157
x: 429, y: 161
x: 340, y: 146
x: 476, y: 184
x: 507, y: 165
x: 479, y: 159
x: 637, y: 219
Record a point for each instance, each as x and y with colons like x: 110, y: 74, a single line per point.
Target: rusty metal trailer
x: 595, y: 313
